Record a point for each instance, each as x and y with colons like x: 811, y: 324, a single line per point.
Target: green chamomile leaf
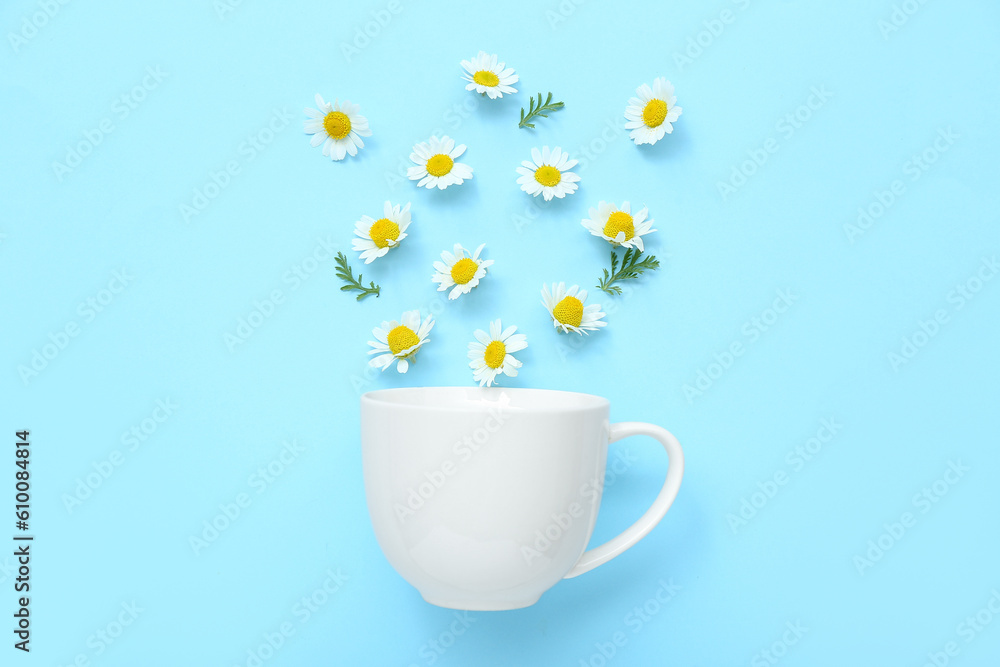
x: 539, y: 109
x: 345, y: 274
x: 633, y: 266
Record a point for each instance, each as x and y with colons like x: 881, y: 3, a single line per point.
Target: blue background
x: 227, y: 76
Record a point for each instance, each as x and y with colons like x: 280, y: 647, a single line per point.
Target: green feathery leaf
x: 345, y: 274
x: 538, y: 109
x: 631, y: 269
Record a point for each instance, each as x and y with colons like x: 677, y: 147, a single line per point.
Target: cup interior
x: 477, y: 398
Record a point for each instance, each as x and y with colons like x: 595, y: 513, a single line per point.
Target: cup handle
x: 638, y: 530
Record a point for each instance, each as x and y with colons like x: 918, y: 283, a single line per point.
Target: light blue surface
x: 855, y: 296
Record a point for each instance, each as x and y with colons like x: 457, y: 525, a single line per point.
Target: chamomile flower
x: 651, y: 114
x: 618, y: 226
x: 548, y: 174
x: 489, y: 77
x: 436, y: 165
x: 567, y: 309
x: 399, y: 341
x: 339, y: 127
x: 377, y: 237
x: 460, y: 270
x: 491, y: 353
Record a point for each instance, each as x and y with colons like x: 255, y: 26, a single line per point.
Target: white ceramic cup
x: 484, y: 498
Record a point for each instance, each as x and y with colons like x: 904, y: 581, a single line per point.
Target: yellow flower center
x: 548, y: 176
x: 402, y: 338
x: 439, y: 165
x: 569, y: 311
x: 485, y: 77
x: 337, y: 124
x: 619, y: 221
x: 655, y: 113
x: 495, y: 353
x: 464, y: 270
x: 382, y: 231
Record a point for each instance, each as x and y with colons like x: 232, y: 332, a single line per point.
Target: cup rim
x: 580, y: 401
